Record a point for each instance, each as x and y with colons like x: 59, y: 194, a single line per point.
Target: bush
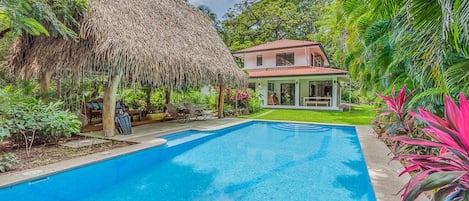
x: 134, y: 99
x: 29, y: 118
x: 446, y: 172
x: 228, y: 110
x: 255, y: 101
x: 7, y: 161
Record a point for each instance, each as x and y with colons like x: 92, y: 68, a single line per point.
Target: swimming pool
x: 251, y: 161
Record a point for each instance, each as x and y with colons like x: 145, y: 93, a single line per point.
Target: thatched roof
x: 164, y: 42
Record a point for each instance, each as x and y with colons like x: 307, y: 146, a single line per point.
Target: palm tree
x: 395, y: 42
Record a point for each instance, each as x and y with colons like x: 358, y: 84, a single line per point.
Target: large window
x: 285, y: 59
x: 259, y: 60
x: 320, y: 88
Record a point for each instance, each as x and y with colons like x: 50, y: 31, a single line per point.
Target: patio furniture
x: 192, y: 111
x: 123, y: 124
x: 94, y: 110
x: 326, y: 101
x: 174, y: 113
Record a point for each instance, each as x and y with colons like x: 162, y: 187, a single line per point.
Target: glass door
x: 287, y: 95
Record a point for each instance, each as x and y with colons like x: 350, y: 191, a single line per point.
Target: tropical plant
x: 414, y: 42
x: 7, y: 161
x: 32, y: 17
x: 445, y: 173
x: 404, y: 122
x: 255, y: 101
x: 29, y: 118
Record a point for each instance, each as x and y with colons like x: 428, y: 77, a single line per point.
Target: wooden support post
x: 109, y: 105
x: 221, y: 101
x: 45, y: 81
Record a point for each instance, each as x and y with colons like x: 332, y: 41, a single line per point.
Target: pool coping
x: 382, y: 170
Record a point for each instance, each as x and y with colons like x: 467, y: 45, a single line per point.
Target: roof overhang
x: 295, y: 71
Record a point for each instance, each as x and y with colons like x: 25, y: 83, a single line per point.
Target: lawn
x: 360, y: 115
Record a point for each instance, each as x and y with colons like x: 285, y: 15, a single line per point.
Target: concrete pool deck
x: 383, y: 172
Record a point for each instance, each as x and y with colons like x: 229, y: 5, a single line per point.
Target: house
x: 294, y: 74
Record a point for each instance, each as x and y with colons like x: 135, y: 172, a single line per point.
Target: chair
x: 173, y: 112
x: 191, y: 111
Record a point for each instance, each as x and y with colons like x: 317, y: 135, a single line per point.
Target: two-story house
x: 293, y: 74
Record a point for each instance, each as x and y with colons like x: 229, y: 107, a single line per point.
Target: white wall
x: 269, y: 58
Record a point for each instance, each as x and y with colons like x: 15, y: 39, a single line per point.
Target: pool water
x: 251, y: 161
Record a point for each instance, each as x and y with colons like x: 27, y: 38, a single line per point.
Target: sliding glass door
x: 287, y: 95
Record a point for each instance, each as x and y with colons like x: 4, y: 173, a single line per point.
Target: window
x: 271, y: 87
x: 259, y: 60
x: 252, y: 86
x: 320, y: 88
x: 285, y: 59
x: 317, y: 61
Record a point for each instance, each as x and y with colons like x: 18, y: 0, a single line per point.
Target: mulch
x: 46, y: 154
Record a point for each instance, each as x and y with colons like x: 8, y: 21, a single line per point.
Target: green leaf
x: 440, y: 179
x: 4, y: 132
x: 444, y: 192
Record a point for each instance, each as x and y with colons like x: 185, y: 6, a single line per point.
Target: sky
x: 219, y: 7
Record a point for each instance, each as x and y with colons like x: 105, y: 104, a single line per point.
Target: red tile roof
x: 293, y: 71
x: 279, y: 44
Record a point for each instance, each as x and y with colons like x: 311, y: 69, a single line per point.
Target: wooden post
x: 45, y: 81
x: 109, y: 105
x: 221, y: 101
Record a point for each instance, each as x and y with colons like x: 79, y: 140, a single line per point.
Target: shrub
x: 255, y: 101
x: 29, y: 118
x: 7, y: 161
x: 446, y: 173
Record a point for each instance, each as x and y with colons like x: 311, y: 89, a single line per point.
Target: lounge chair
x: 191, y: 111
x: 174, y: 113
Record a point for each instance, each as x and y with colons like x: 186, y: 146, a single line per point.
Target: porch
x: 302, y: 92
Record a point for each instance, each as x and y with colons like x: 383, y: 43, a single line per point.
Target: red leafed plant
x: 396, y: 105
x: 446, y: 174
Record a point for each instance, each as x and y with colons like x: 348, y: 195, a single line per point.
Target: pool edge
x: 383, y: 172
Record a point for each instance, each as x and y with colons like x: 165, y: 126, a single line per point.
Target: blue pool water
x: 252, y: 161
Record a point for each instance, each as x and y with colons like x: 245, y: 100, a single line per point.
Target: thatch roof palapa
x: 162, y: 42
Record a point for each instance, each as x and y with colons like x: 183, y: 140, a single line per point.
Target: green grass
x: 360, y: 115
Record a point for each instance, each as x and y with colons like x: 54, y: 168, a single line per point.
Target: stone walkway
x: 383, y: 172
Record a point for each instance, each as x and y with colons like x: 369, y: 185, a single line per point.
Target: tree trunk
x: 59, y: 87
x: 148, y: 90
x: 45, y: 81
x: 221, y: 101
x: 109, y: 105
x: 168, y: 97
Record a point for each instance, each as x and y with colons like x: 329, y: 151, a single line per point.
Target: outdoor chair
x: 192, y: 111
x: 174, y: 113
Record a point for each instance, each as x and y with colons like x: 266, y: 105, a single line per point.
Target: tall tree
x: 253, y: 22
x: 394, y: 43
x: 216, y: 23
